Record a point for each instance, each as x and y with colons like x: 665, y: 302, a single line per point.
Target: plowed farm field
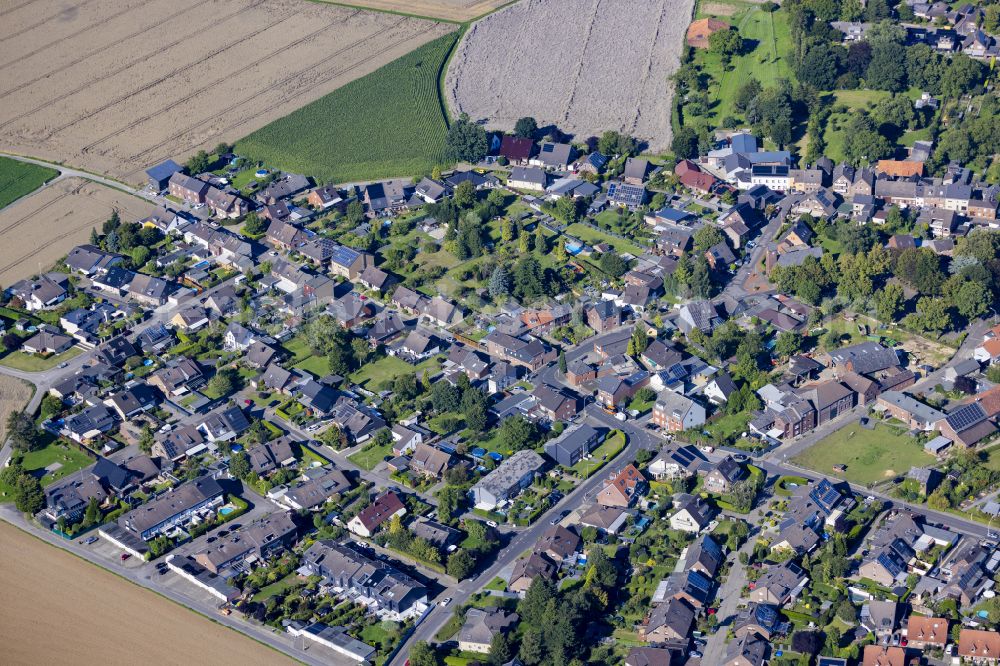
x: 449, y: 10
x: 39, y: 229
x: 115, y: 86
x: 583, y: 65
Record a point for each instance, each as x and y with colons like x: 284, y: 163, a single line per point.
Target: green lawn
x: 368, y: 458
x: 601, y: 456
x: 32, y: 363
x: 69, y: 456
x: 282, y: 585
x: 373, y: 375
x: 303, y: 358
x: 870, y: 455
x: 388, y: 123
x: 19, y: 178
x: 591, y: 236
x: 767, y: 62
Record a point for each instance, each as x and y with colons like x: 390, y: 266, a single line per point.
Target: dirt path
x: 58, y: 609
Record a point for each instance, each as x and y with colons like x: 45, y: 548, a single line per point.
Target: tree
x: 499, y: 285
x: 638, y: 342
x: 612, y: 264
x: 198, y: 163
x: 807, y: 642
x: 445, y: 397
x: 707, y: 236
x: 886, y: 70
x: 146, y: 440
x: 531, y: 608
x: 239, y: 465
x: 972, y: 299
x: 864, y: 143
x: 254, y: 225
x: 889, y: 302
x: 788, y: 343
x: 684, y: 143
x: 22, y: 431
x: 422, y: 654
x: 465, y: 194
x: 560, y: 253
x: 223, y: 383
x: 562, y: 362
x: 474, y: 408
x: 92, y: 514
x: 726, y: 43
x: 528, y: 279
x: 820, y: 66
x: 501, y: 650
x: 525, y: 127
x: 517, y: 433
x: 746, y: 94
x: 532, y: 649
x: 460, y: 564
x: 28, y: 494
x: 354, y: 213
x: 466, y: 141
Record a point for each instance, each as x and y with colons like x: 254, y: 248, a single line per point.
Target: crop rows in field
x: 583, y: 65
x: 388, y: 123
x: 19, y: 178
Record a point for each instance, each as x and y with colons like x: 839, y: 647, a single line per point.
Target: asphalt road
x: 525, y: 539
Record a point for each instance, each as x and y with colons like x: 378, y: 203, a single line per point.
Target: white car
x: 491, y: 523
x: 444, y: 602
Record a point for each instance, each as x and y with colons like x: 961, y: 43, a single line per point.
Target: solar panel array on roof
x: 966, y: 417
x: 344, y: 256
x: 890, y: 564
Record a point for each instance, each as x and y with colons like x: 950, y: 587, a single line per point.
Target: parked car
x: 89, y: 540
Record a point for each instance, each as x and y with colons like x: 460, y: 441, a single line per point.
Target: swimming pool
x: 226, y: 510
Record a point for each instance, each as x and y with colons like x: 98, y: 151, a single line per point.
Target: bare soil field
x: 449, y: 10
x: 585, y: 67
x: 100, y: 618
x: 40, y: 228
x: 115, y: 86
x: 14, y: 395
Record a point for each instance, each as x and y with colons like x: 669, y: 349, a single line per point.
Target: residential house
x: 382, y: 509
x: 257, y: 542
x: 531, y: 353
x: 979, y: 647
x: 318, y: 485
x: 573, y: 445
x: 926, y: 632
x: 507, y: 480
x: 692, y: 514
x: 187, y: 188
x: 174, y: 508
x: 345, y: 567
x: 348, y: 262
x: 48, y: 291
x: 748, y: 650
x: 527, y: 178
x: 430, y: 461
x: 527, y: 569
x: 559, y: 544
x: 883, y: 655
x: 224, y: 425
x: 482, y: 626
x: 517, y: 150
x: 622, y: 488
x: 779, y: 585
x: 676, y: 462
x: 552, y: 156
x: 675, y: 412
x: 915, y: 414
x: 556, y: 404
x: 721, y: 477
x: 670, y: 621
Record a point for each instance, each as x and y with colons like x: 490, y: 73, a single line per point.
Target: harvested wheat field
x: 39, y: 229
x: 449, y: 10
x: 58, y: 609
x: 585, y: 67
x: 115, y: 86
x: 14, y: 395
